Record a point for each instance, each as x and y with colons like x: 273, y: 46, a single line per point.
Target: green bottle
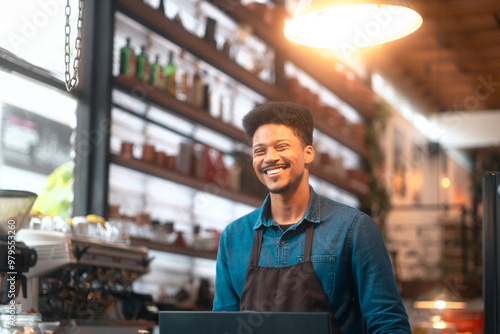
x: 170, y: 75
x: 127, y: 59
x: 155, y: 73
x: 142, y: 70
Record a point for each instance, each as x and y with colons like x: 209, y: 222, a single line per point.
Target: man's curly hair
x: 295, y: 116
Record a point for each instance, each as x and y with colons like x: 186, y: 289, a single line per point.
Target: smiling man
x: 300, y: 251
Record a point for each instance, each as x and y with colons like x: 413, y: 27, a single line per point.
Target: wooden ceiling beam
x: 453, y: 25
x: 450, y: 57
x: 437, y: 9
x: 470, y: 79
x: 410, y: 86
x: 449, y: 54
x: 476, y: 38
x: 464, y: 102
x: 482, y: 66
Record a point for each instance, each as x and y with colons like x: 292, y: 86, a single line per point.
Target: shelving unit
x: 160, y: 24
x: 163, y: 247
x: 325, y: 75
x: 321, y: 69
x: 167, y: 101
x: 160, y: 98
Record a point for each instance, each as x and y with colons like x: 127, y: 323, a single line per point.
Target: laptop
x: 244, y: 322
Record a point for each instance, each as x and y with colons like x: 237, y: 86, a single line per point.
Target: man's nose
x: 271, y: 155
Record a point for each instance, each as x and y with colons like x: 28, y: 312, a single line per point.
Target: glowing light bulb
x: 445, y: 182
x: 343, y: 25
x: 440, y: 304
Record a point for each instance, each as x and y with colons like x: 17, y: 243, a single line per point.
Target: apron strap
x: 308, y: 242
x: 256, y: 246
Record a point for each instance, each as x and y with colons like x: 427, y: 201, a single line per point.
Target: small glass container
x: 80, y: 226
x: 20, y: 323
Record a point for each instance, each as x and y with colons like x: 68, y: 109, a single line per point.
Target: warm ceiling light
x: 445, y: 182
x: 342, y: 24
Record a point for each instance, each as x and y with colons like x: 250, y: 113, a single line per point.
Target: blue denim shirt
x: 348, y: 255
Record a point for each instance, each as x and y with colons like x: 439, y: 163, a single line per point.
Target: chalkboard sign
x: 32, y: 142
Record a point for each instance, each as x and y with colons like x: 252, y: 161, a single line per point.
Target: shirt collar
x: 312, y: 213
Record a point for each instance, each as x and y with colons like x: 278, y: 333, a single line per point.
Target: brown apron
x: 294, y: 288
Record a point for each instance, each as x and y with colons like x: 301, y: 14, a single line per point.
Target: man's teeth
x: 274, y: 171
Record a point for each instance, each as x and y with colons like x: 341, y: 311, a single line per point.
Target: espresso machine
x: 16, y: 258
x: 81, y: 278
x: 69, y: 279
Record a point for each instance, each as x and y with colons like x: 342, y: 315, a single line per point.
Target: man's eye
x: 258, y: 152
x: 281, y: 147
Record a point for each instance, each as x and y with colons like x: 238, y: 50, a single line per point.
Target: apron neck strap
x: 256, y: 246
x: 308, y: 242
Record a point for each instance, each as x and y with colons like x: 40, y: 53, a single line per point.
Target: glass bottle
x: 206, y: 94
x: 182, y: 73
x: 142, y: 70
x: 155, y: 73
x: 127, y: 59
x: 216, y: 99
x: 169, y: 75
x: 197, y: 89
x: 170, y: 234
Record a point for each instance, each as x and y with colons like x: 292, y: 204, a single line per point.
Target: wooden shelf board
x: 209, y: 187
x: 344, y: 184
x: 164, y: 247
x: 145, y: 91
x: 341, y: 138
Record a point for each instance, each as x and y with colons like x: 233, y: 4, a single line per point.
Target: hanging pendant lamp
x: 350, y: 23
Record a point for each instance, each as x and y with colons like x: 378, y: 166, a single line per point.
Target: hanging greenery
x: 378, y: 202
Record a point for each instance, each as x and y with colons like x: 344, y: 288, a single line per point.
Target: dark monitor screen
x: 491, y: 251
x: 206, y: 322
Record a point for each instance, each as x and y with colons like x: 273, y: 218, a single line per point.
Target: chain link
x: 72, y: 81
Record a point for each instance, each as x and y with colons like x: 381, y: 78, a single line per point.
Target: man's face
x: 280, y: 157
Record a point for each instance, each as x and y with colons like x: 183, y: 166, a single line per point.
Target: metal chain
x: 72, y: 81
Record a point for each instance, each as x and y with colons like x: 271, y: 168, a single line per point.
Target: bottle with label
x: 182, y: 73
x: 142, y: 70
x: 197, y: 89
x: 169, y: 75
x: 127, y: 59
x: 206, y: 103
x: 156, y: 73
x: 216, y: 98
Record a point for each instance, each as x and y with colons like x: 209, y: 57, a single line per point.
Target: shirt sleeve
x: 226, y: 298
x: 375, y: 286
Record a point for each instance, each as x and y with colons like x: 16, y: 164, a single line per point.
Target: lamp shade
x: 341, y: 24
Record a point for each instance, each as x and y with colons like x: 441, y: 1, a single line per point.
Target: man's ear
x: 309, y: 154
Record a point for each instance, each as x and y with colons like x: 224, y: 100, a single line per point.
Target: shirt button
x: 282, y: 242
